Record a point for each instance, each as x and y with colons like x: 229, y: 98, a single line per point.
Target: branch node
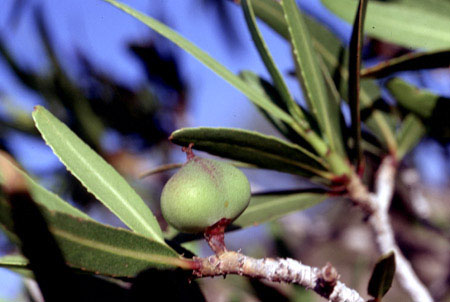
x: 328, y: 278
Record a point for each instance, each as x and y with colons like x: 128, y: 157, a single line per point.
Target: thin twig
x: 377, y: 206
x: 323, y: 281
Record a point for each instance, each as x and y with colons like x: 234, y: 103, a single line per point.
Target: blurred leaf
x: 436, y: 6
x: 16, y: 13
x: 325, y: 110
x: 161, y: 67
x: 271, y: 12
x: 431, y: 108
x: 409, y: 62
x: 335, y: 56
x: 270, y: 206
x: 400, y: 23
x: 223, y: 16
x: 421, y: 102
x: 264, y: 151
x: 101, y: 249
x: 354, y: 67
x: 27, y: 78
x: 278, y: 81
x: 271, y: 93
x: 382, y: 276
x: 65, y: 92
x: 39, y: 193
x: 13, y: 261
x: 409, y: 135
x: 97, y: 175
x: 207, y: 60
x: 15, y: 117
x: 18, y: 264
x: 159, y: 169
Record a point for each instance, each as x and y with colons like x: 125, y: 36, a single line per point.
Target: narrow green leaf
x: 421, y: 102
x: 400, y: 23
x: 26, y: 78
x: 431, y: 108
x: 277, y: 78
x: 339, y: 165
x: 264, y: 151
x: 409, y: 62
x: 354, y: 67
x: 335, y: 56
x: 331, y: 50
x: 325, y: 110
x: 97, y: 248
x: 159, y: 169
x: 17, y: 264
x: 271, y: 12
x: 271, y: 93
x: 97, y: 175
x: 13, y: 261
x: 409, y: 135
x: 382, y: 276
x: 39, y: 193
x: 207, y: 60
x: 438, y: 7
x: 271, y: 206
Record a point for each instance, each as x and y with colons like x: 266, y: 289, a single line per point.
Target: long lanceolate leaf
x: 97, y: 248
x: 264, y: 151
x: 271, y: 93
x: 331, y: 50
x: 339, y: 166
x: 409, y: 62
x: 354, y: 67
x: 433, y: 109
x: 277, y: 78
x: 325, y: 110
x: 400, y: 22
x: 421, y: 102
x: 335, y: 56
x: 208, y: 61
x: 97, y: 175
x: 271, y: 206
x: 13, y: 262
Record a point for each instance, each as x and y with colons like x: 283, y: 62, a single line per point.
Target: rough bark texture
x: 323, y: 281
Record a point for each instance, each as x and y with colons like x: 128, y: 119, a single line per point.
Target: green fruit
x: 203, y: 192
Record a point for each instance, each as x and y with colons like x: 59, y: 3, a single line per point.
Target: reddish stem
x: 215, y: 236
x: 189, y: 153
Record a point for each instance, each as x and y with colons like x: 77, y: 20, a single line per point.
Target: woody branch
x: 377, y: 206
x: 323, y: 281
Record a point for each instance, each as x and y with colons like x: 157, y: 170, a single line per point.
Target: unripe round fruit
x: 203, y: 192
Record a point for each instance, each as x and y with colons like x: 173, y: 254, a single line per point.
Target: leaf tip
x: 37, y: 108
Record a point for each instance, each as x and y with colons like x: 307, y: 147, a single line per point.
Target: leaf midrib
x: 101, y: 179
x: 111, y: 249
x: 321, y: 96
